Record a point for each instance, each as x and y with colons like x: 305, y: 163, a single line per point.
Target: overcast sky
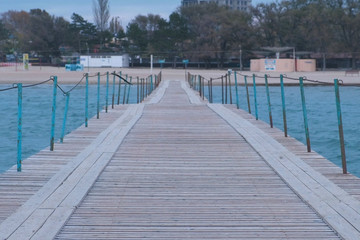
x: 125, y: 9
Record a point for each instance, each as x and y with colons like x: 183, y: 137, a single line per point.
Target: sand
x: 12, y: 74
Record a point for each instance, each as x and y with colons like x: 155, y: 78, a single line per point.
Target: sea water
x: 322, y: 117
x: 320, y: 103
x: 37, y: 112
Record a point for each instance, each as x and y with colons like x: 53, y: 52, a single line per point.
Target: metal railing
x: 145, y: 86
x: 198, y: 82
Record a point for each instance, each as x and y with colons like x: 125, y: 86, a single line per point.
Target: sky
x: 125, y: 9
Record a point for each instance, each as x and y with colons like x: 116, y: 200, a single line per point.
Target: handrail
x: 126, y: 98
x: 227, y: 89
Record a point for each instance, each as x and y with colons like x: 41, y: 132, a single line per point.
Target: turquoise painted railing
x: 226, y: 90
x: 150, y: 86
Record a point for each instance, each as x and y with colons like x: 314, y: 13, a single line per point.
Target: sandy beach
x: 12, y: 74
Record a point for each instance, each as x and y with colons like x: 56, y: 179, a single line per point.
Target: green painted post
x: 230, y: 87
x: 283, y: 104
x: 98, y: 97
x: 87, y: 100
x: 306, y: 125
x: 19, y: 136
x: 247, y: 94
x: 236, y: 91
x: 268, y: 100
x: 107, y: 92
x: 255, y: 98
x: 113, y: 92
x: 52, y: 137
x: 151, y: 84
x: 128, y: 93
x: 138, y: 90
x: 65, y: 117
x: 199, y: 79
x: 125, y: 88
x: 222, y: 90
x: 340, y: 125
x: 119, y: 90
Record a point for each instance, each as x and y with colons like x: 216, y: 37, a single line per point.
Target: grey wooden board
x: 183, y: 173
x: 71, y: 178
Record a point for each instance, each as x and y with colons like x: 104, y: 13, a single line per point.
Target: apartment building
x: 241, y: 5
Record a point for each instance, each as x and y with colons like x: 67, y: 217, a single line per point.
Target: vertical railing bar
x: 236, y: 90
x: 255, y: 98
x: 230, y: 90
x: 119, y: 89
x: 67, y: 96
x: 113, y: 92
x: 87, y: 100
x: 222, y: 90
x: 247, y: 94
x: 128, y: 93
x: 98, y: 97
x: 268, y: 100
x: 19, y: 135
x: 306, y: 125
x: 125, y: 88
x: 283, y: 104
x: 226, y: 89
x: 340, y: 125
x: 137, y: 90
x: 53, y: 118
x: 107, y: 92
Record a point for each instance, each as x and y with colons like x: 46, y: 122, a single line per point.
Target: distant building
x: 241, y: 5
x: 105, y: 60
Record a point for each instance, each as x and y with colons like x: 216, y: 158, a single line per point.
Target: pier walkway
x: 175, y: 167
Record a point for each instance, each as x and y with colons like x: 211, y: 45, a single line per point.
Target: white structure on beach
x: 103, y: 60
x: 241, y: 5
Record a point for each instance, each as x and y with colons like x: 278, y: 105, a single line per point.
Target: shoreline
x: 10, y: 75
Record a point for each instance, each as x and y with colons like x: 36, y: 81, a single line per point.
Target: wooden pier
x: 176, y: 167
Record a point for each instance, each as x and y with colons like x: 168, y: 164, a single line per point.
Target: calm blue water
x: 322, y: 116
x: 37, y: 107
x: 320, y: 103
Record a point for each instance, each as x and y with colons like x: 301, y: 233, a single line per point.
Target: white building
x: 241, y: 5
x: 103, y: 60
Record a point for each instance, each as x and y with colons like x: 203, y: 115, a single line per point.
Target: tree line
x: 205, y: 32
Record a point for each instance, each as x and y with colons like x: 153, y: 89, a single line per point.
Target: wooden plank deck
x: 177, y: 168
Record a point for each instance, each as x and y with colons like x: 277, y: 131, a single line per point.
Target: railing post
x: 113, y: 92
x: 125, y: 87
x: 107, y: 92
x: 247, y: 94
x: 340, y: 125
x: 87, y: 100
x: 268, y: 100
x: 222, y: 90
x: 119, y: 90
x: 98, y: 97
x: 283, y: 104
x: 236, y: 90
x: 19, y: 135
x: 151, y: 84
x: 211, y: 90
x: 199, y: 85
x: 128, y: 93
x: 137, y: 90
x: 226, y: 89
x: 52, y: 137
x: 230, y: 91
x: 306, y: 125
x: 255, y: 98
x: 67, y: 95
